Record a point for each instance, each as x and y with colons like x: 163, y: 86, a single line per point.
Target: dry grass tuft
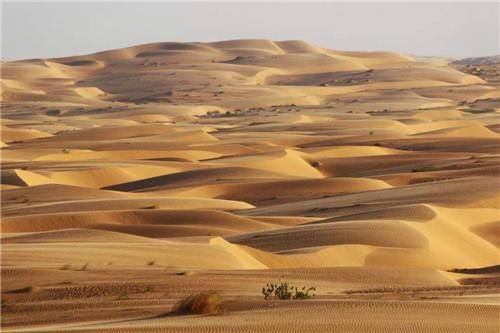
x: 204, y: 303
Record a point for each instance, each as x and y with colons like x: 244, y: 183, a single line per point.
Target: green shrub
x: 303, y: 293
x: 285, y: 292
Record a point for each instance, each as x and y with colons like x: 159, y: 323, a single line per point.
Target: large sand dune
x: 134, y: 177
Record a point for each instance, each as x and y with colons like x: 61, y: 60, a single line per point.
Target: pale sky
x: 54, y: 29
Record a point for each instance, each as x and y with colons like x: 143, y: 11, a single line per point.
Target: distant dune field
x: 135, y: 177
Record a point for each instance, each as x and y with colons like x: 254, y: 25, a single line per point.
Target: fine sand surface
x: 133, y: 178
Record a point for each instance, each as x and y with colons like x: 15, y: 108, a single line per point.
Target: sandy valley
x: 135, y: 177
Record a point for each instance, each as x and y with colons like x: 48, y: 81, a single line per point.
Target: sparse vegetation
x: 53, y: 113
x: 285, y: 292
x: 147, y: 289
x: 123, y: 296
x: 204, y: 303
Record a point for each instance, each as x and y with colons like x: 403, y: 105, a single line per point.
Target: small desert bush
x: 204, y: 303
x: 285, y: 292
x: 123, y: 296
x: 147, y: 289
x: 53, y: 112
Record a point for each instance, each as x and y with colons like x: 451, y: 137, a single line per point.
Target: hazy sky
x: 54, y: 29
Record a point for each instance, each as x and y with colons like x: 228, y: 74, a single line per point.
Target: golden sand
x: 132, y: 178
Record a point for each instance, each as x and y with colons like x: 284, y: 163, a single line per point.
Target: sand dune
x: 170, y: 222
x: 267, y: 193
x: 379, y: 233
x: 107, y: 204
x: 12, y: 134
x: 132, y: 178
x: 287, y: 162
x: 162, y: 253
x: 195, y: 177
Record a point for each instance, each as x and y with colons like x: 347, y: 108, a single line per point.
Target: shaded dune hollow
x: 135, y: 177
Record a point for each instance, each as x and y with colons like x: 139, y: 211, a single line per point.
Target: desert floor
x: 136, y: 177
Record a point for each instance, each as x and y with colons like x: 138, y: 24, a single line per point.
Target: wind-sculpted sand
x: 133, y: 178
